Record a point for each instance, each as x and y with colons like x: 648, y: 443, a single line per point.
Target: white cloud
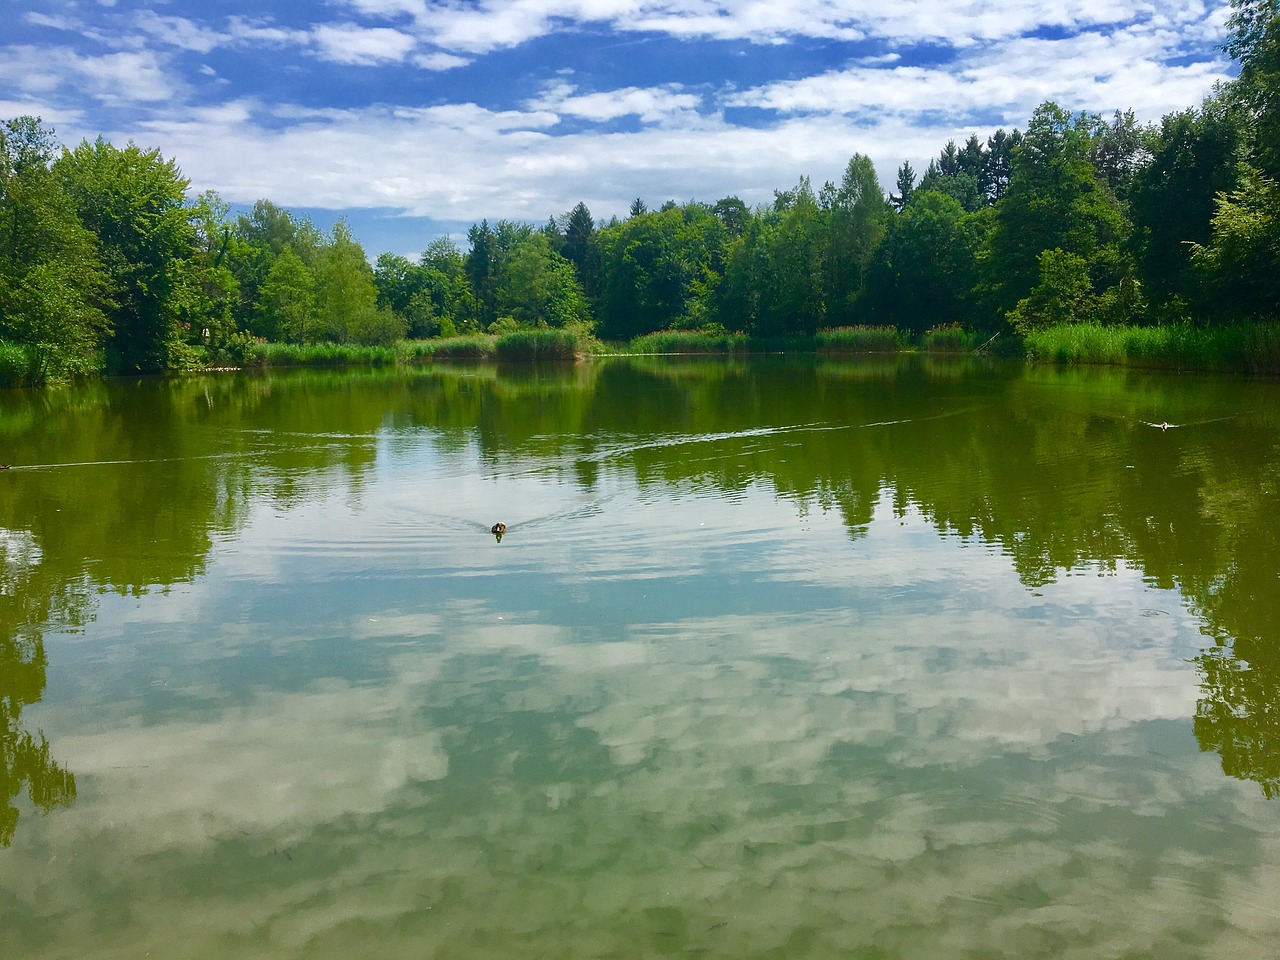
x: 1094, y: 71
x: 649, y: 104
x: 439, y: 61
x: 495, y: 24
x: 180, y: 32
x: 349, y: 43
x: 113, y: 78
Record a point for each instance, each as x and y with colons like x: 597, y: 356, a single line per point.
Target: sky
x: 415, y: 118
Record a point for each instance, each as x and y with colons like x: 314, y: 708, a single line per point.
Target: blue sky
x: 414, y: 118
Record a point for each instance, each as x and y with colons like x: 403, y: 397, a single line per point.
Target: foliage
x: 1172, y: 197
x: 133, y: 201
x: 658, y: 269
x: 926, y: 268
x: 1055, y: 201
x: 53, y: 286
x: 1241, y: 262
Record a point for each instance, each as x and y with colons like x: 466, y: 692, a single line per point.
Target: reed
x: 320, y: 355
x: 949, y: 338
x: 860, y: 339
x: 1240, y: 348
x: 540, y: 345
x: 469, y: 347
x: 690, y: 341
x: 15, y: 366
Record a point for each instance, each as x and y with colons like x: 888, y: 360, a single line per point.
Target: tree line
x: 108, y: 263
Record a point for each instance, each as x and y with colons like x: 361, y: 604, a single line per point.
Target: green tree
x: 926, y: 267
x: 1172, y: 198
x: 854, y: 215
x: 659, y: 270
x: 582, y: 248
x: 53, y: 287
x: 773, y: 282
x: 1055, y: 201
x: 134, y: 201
x: 286, y: 307
x: 346, y: 296
x: 1241, y: 262
x: 1063, y: 295
x: 540, y: 288
x: 211, y: 301
x: 997, y: 167
x: 1255, y: 43
x: 906, y: 183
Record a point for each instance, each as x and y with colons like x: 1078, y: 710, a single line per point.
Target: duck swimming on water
x: 498, y: 529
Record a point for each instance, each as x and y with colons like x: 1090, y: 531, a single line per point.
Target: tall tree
x: 926, y: 268
x: 134, y: 201
x: 53, y: 287
x: 856, y: 213
x: 539, y: 288
x: 906, y: 183
x: 1055, y: 201
x: 286, y: 306
x: 1255, y: 43
x: 346, y: 296
x: 582, y: 248
x: 1194, y: 158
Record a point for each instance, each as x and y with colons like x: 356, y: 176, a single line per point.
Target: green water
x: 880, y: 659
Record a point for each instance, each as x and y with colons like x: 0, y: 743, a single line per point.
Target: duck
x: 498, y: 529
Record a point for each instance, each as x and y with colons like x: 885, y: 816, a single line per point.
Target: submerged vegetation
x: 108, y: 264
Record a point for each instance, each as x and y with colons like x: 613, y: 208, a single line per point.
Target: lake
x: 900, y: 657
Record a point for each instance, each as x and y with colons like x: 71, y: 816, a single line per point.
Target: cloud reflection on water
x: 912, y: 771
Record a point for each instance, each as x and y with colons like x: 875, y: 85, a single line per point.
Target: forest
x: 108, y: 263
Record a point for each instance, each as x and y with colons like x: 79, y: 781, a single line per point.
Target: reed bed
x: 1241, y: 348
x: 949, y: 338
x: 540, y: 345
x: 690, y: 341
x: 860, y: 339
x: 321, y: 355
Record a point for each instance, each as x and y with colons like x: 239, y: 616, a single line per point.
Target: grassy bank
x: 1250, y: 349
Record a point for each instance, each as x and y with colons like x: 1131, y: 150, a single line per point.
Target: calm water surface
x: 891, y: 659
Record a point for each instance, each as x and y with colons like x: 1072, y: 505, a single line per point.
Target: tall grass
x: 858, y: 340
x: 15, y: 366
x: 320, y: 355
x: 949, y: 338
x: 539, y: 345
x: 1243, y: 348
x: 475, y: 346
x: 690, y: 341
